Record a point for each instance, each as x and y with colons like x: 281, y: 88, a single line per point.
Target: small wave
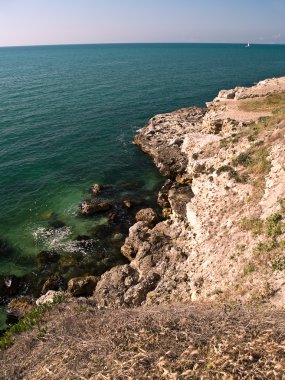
x: 123, y: 139
x: 52, y: 238
x: 60, y: 240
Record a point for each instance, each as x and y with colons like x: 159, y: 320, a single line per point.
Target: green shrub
x: 274, y: 225
x: 29, y: 321
x: 233, y: 174
x: 243, y: 159
x: 255, y: 225
x: 248, y: 269
x: 279, y: 263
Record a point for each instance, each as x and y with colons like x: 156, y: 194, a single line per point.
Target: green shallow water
x: 68, y: 115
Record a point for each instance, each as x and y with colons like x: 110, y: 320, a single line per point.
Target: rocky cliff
x: 220, y: 237
x: 222, y: 234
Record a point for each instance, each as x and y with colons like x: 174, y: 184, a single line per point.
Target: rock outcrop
x: 224, y: 203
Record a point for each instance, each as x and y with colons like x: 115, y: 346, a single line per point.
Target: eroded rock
x: 138, y: 232
x: 91, y: 207
x: 49, y: 297
x: 148, y: 216
x: 96, y: 188
x: 113, y: 285
x: 57, y: 283
x: 18, y: 308
x: 82, y: 286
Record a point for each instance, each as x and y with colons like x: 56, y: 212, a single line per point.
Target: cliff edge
x: 223, y: 202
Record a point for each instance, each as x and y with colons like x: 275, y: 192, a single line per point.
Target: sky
x: 48, y: 22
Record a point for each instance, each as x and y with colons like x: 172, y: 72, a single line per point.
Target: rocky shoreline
x: 218, y: 233
x: 76, y: 268
x: 225, y: 170
x: 201, y: 292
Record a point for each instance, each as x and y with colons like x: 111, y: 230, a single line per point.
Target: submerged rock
x: 7, y: 250
x: 47, y: 257
x: 56, y: 224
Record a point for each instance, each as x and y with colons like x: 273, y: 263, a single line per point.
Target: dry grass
x: 269, y: 103
x: 198, y: 341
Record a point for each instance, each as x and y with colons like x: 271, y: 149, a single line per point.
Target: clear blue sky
x: 34, y: 22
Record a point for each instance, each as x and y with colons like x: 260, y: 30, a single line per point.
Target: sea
x: 68, y: 116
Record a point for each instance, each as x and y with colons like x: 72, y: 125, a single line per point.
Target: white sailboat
x: 248, y: 45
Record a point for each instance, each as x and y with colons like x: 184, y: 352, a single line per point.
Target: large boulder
x: 57, y: 283
x: 138, y: 232
x: 45, y: 258
x: 148, y: 216
x: 18, y: 308
x: 89, y: 208
x: 137, y: 294
x: 49, y: 297
x: 82, y: 286
x: 113, y: 285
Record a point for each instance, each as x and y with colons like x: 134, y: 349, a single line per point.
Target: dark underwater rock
x: 10, y: 286
x: 82, y: 237
x: 56, y: 224
x: 6, y: 249
x: 47, y: 257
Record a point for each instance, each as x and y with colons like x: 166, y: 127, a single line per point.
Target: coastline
x: 217, y: 242
x: 225, y: 171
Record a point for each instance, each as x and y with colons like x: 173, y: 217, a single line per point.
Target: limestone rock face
x: 113, y: 285
x: 163, y: 137
x: 138, y: 232
x: 223, y: 197
x: 48, y: 297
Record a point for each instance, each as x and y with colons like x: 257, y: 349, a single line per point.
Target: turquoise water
x: 68, y: 115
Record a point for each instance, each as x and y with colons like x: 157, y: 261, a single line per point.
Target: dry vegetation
x: 198, y: 341
x: 268, y: 103
x: 254, y: 164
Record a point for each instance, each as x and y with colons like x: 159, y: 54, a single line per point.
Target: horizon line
x: 144, y: 43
